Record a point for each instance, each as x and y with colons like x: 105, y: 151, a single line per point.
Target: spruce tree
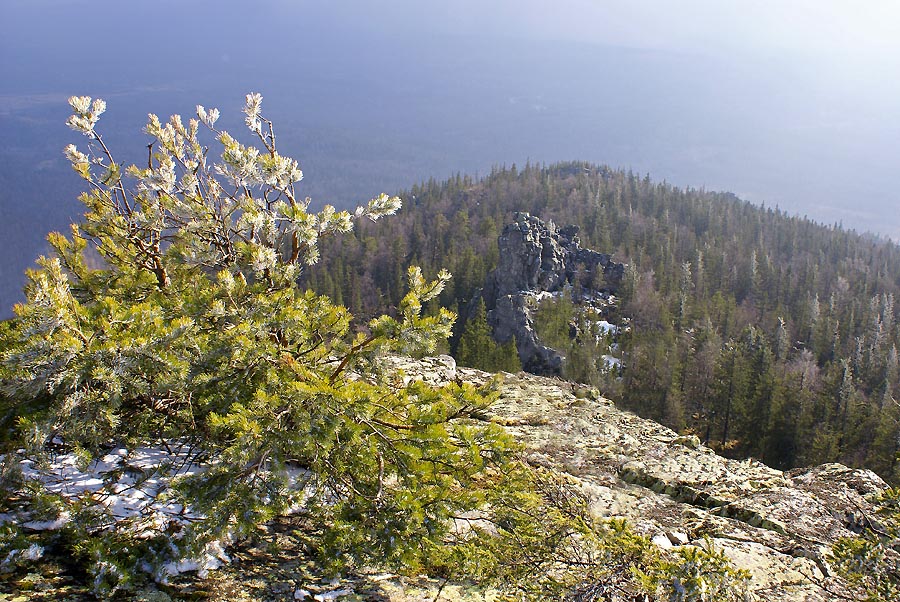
x: 478, y: 349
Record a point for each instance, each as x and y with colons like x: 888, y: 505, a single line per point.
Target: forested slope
x: 766, y: 334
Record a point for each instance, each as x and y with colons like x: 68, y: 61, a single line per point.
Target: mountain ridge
x: 765, y: 334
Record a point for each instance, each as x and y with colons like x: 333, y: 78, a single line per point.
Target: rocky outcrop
x: 779, y: 526
x: 535, y: 258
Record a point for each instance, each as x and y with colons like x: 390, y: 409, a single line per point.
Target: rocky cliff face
x: 535, y: 258
x: 778, y: 525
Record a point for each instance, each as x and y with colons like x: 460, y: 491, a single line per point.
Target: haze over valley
x: 782, y: 106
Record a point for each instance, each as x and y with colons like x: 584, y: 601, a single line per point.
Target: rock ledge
x: 778, y: 525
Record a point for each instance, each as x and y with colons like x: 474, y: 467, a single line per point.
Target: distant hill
x: 765, y: 334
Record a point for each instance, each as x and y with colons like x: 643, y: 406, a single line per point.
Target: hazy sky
x: 843, y: 31
x: 856, y: 42
x: 833, y: 26
x: 825, y: 70
x: 830, y: 30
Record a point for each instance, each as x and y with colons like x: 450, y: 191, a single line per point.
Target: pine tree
x: 196, y: 332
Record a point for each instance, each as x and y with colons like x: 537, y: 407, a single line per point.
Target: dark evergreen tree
x: 478, y: 349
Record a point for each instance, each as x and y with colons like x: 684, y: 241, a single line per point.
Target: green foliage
x: 193, y: 329
x: 871, y: 562
x: 556, y: 320
x: 703, y: 573
x: 16, y: 548
x: 538, y: 540
x: 478, y: 349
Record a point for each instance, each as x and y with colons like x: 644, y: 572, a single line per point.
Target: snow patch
x: 607, y: 328
x: 47, y: 525
x: 212, y: 557
x: 543, y: 295
x: 332, y: 595
x: 32, y: 552
x: 134, y: 486
x: 129, y: 484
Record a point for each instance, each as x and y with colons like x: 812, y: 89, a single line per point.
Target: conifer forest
x: 767, y: 335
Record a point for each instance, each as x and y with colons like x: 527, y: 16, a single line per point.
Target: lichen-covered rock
x: 778, y: 525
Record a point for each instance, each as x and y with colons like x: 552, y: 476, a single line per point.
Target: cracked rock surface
x: 778, y: 525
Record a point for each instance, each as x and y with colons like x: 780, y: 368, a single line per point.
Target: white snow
x: 47, y: 525
x: 607, y: 328
x: 542, y: 295
x: 212, y: 557
x: 332, y: 595
x: 612, y: 362
x: 128, y: 484
x: 134, y: 485
x: 32, y: 552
